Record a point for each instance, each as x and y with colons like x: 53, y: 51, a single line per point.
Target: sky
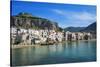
x: 65, y: 15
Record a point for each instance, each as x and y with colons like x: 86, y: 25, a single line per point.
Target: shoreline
x: 38, y: 45
x: 23, y: 46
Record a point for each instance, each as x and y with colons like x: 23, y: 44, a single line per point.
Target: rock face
x: 25, y: 20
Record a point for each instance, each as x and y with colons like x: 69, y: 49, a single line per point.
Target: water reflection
x: 62, y: 53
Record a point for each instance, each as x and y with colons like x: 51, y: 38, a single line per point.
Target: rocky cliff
x: 25, y: 20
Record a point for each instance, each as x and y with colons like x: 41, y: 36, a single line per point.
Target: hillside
x: 74, y: 29
x: 90, y: 28
x: 26, y: 20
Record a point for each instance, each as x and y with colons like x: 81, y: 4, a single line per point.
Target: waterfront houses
x: 31, y: 36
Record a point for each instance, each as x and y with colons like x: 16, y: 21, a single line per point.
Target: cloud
x: 84, y: 16
x: 79, y: 16
x: 59, y: 11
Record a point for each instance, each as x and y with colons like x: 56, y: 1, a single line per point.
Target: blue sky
x: 64, y: 14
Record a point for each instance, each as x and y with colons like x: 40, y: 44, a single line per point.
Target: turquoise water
x: 68, y: 52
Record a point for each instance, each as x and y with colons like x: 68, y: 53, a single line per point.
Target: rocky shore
x: 39, y: 45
